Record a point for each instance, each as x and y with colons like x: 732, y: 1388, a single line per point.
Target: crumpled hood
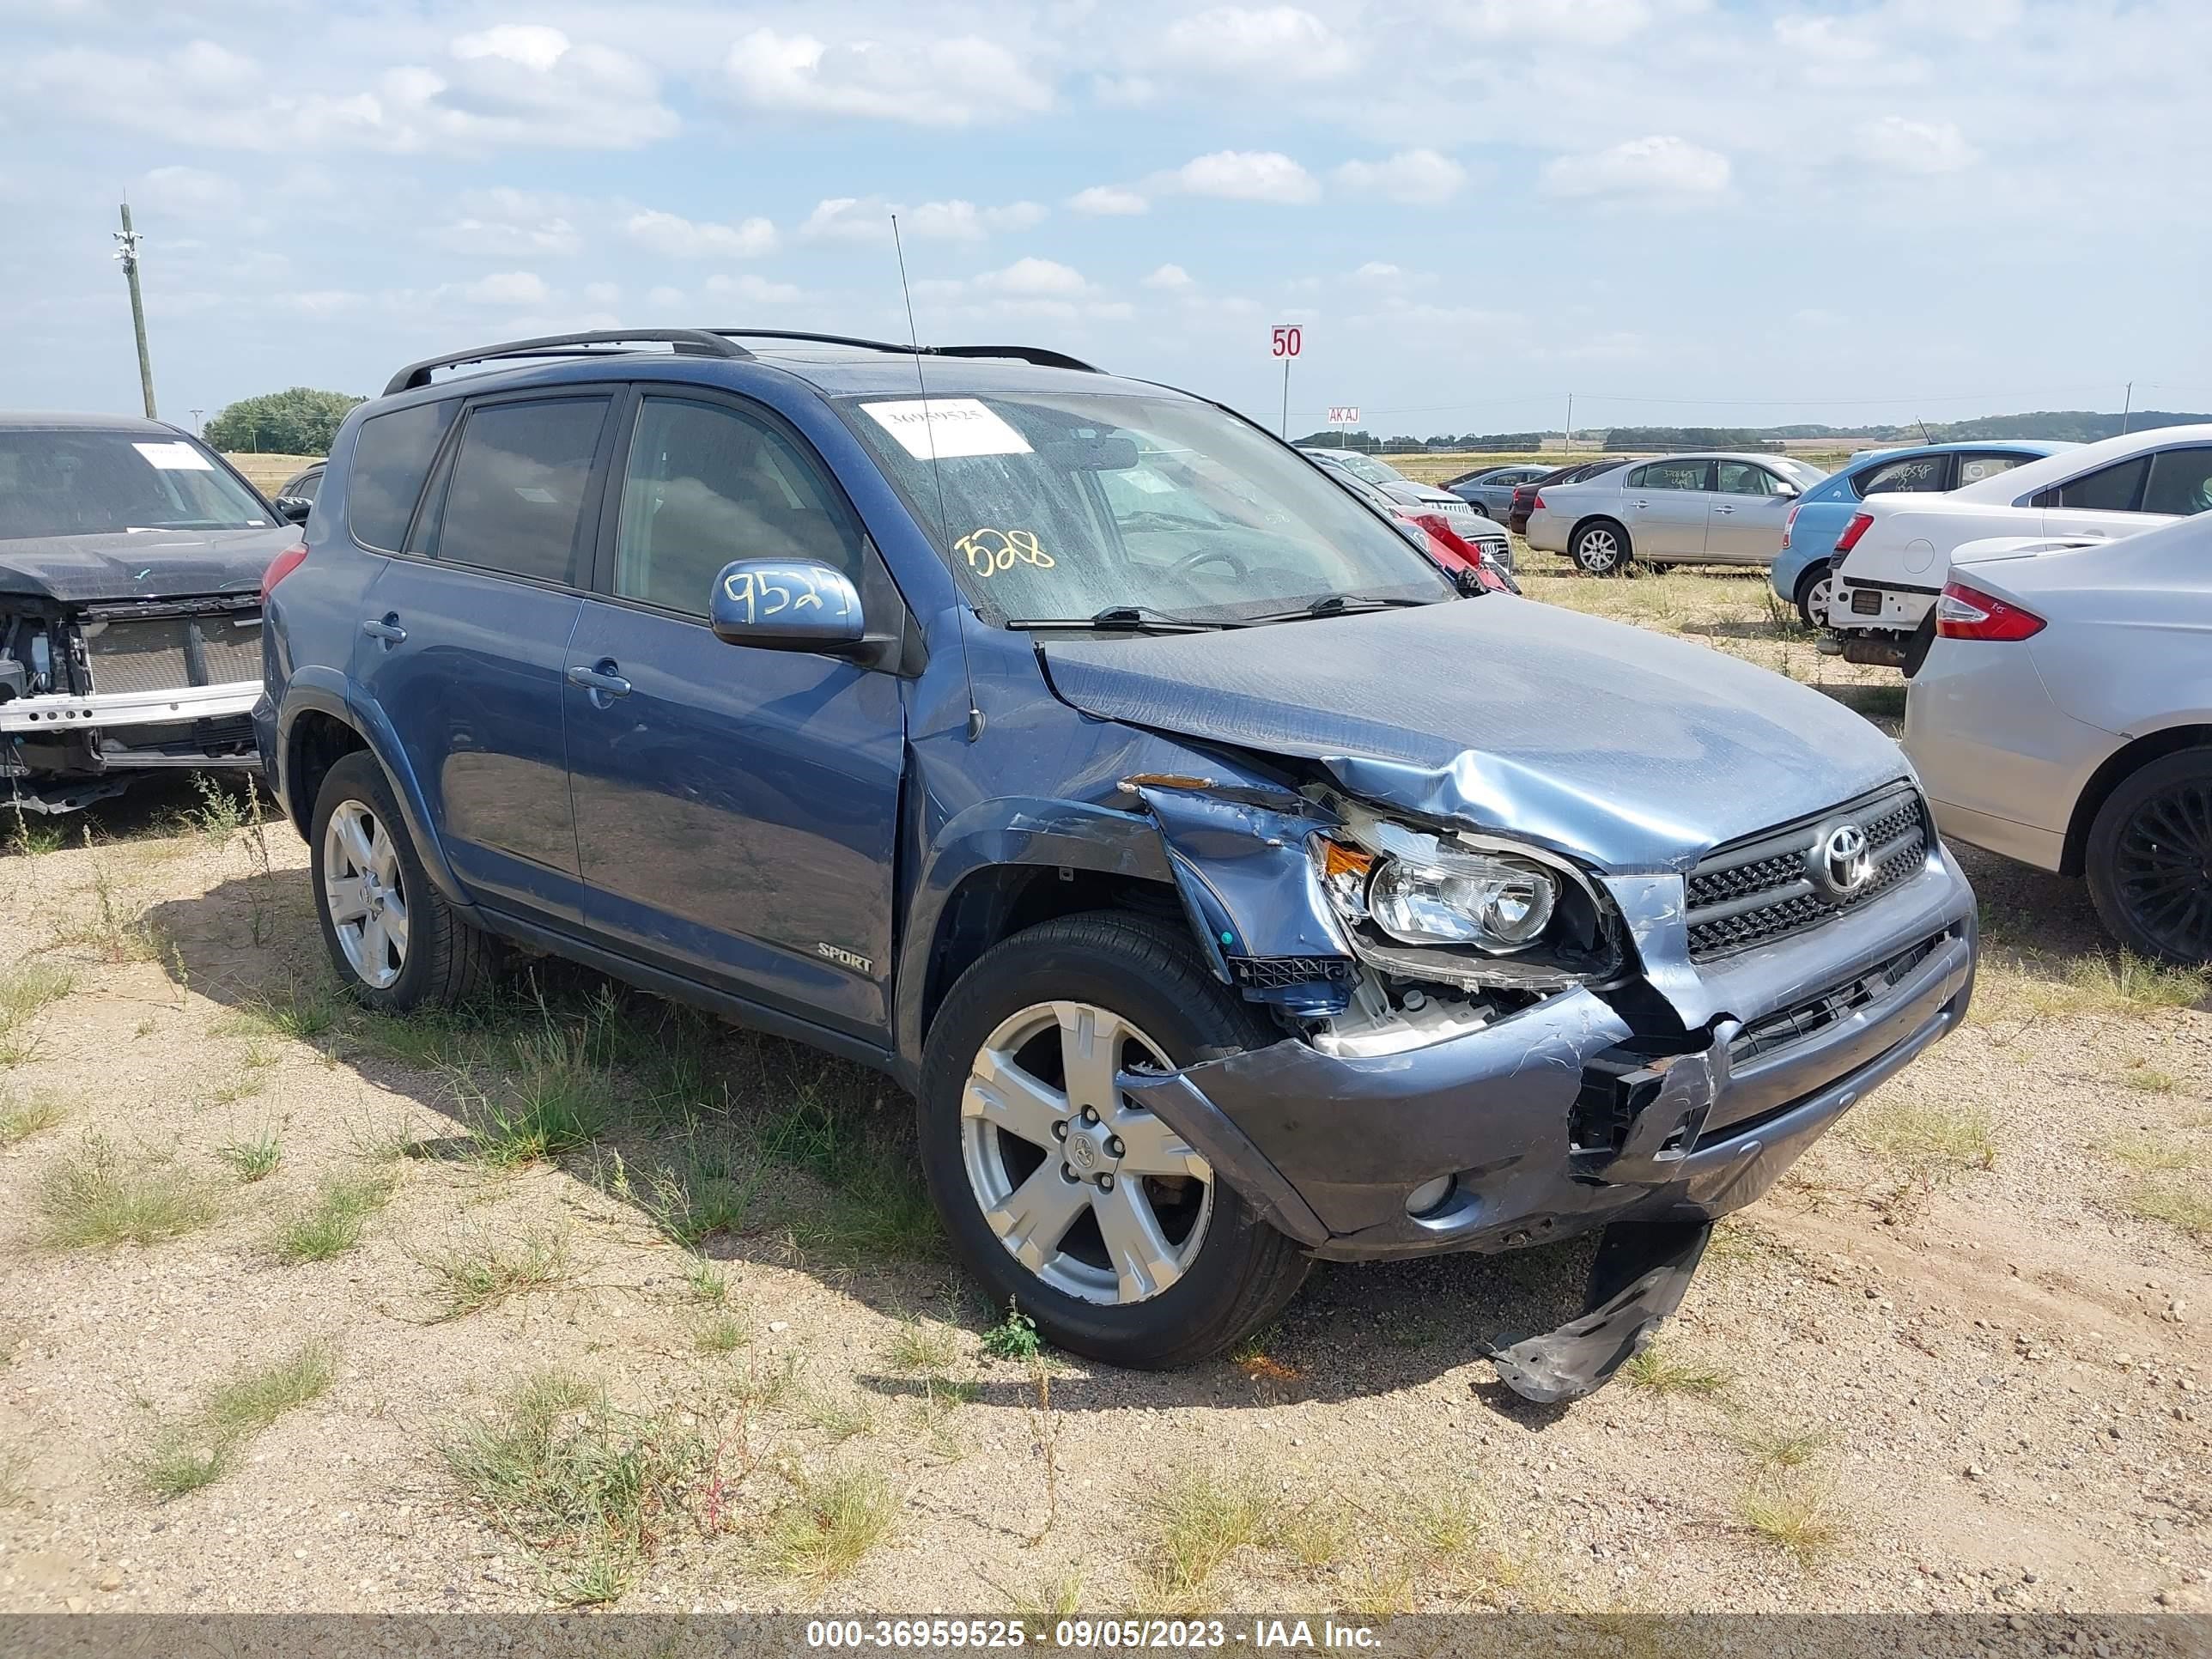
x: 1618, y: 746
x: 151, y: 564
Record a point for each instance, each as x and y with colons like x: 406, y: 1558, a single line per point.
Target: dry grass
x: 591, y: 1490
x: 1660, y: 1369
x: 253, y: 1160
x: 26, y: 1118
x: 1781, y: 1449
x: 333, y: 1224
x: 923, y: 1347
x: 188, y: 1455
x: 471, y: 1276
x: 720, y: 1334
x: 97, y: 1194
x: 1797, y: 1515
x: 1932, y: 1143
x: 2186, y: 1206
x: 2152, y: 1152
x: 1194, y: 1527
x: 25, y: 991
x: 836, y: 1516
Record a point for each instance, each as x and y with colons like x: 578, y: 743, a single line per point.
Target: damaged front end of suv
x: 1525, y: 1002
x: 130, y: 562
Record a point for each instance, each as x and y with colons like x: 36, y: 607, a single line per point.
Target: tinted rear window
x: 391, y: 454
x: 516, y: 493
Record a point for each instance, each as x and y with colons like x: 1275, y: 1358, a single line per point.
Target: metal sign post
x: 1286, y: 341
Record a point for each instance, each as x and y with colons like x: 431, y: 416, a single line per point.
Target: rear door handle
x: 600, y: 680
x: 387, y: 628
x: 1723, y: 509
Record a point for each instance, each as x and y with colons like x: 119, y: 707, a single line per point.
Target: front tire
x: 2149, y: 859
x: 1814, y: 589
x: 395, y: 943
x: 1060, y: 1191
x: 1600, y: 548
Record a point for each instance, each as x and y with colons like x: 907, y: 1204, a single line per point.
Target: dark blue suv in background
x: 1229, y: 890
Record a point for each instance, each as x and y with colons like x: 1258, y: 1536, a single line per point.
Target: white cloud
x: 1592, y: 22
x: 506, y: 288
x: 1417, y: 177
x: 504, y: 224
x: 1915, y: 146
x: 665, y: 298
x: 868, y: 219
x: 1376, y: 270
x: 1249, y: 176
x: 602, y: 293
x: 517, y: 85
x: 1034, y: 277
x: 1108, y: 201
x: 1281, y: 43
x: 926, y: 80
x: 1660, y: 168
x: 320, y: 302
x: 755, y: 290
x: 190, y: 191
x: 1173, y: 277
x: 679, y: 238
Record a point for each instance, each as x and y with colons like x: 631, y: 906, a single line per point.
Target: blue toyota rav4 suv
x: 1229, y: 890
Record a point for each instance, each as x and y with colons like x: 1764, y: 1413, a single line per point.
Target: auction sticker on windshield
x: 945, y: 428
x: 175, y: 458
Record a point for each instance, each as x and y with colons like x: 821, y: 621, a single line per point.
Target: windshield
x: 80, y: 482
x: 1803, y: 474
x: 1361, y: 467
x: 1061, y: 506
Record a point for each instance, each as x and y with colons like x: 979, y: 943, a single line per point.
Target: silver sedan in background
x: 1687, y: 509
x: 2063, y: 718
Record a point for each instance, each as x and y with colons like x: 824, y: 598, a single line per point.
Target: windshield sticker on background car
x: 1012, y: 547
x: 175, y: 458
x: 946, y: 428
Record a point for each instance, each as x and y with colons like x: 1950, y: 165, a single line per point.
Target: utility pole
x: 2128, y: 407
x: 1571, y: 419
x: 128, y: 252
x: 198, y: 425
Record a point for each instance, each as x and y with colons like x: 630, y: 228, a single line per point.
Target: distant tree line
x: 2060, y: 425
x: 300, y: 420
x: 1337, y: 437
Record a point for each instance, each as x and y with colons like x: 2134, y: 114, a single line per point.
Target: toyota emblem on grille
x: 1840, y: 862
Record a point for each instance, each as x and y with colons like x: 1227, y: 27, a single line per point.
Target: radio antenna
x: 929, y: 427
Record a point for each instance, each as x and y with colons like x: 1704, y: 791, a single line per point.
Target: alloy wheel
x: 1814, y: 607
x: 364, y: 894
x: 1597, y: 551
x: 2162, y: 870
x: 1097, y: 1197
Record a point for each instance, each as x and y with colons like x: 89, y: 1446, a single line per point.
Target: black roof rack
x: 688, y: 341
x: 1042, y: 356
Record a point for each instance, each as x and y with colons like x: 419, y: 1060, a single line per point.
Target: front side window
x: 1672, y: 475
x: 2180, y: 483
x: 1062, y: 505
x: 707, y: 484
x: 1915, y: 475
x: 85, y: 482
x: 1742, y: 478
x: 392, y: 456
x: 1365, y: 468
x: 515, y: 498
x: 2110, y: 490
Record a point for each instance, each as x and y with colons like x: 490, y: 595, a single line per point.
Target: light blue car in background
x: 1800, y: 572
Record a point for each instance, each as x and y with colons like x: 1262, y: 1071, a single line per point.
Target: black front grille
x: 1271, y: 973
x: 1764, y: 888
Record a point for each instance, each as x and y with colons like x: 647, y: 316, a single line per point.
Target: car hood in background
x: 1593, y: 737
x: 148, y: 564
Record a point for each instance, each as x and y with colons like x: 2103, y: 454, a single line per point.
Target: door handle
x: 1640, y: 504
x: 601, y: 681
x: 1723, y: 509
x: 386, y: 628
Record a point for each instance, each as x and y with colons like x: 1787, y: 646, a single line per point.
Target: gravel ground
x: 1905, y: 1382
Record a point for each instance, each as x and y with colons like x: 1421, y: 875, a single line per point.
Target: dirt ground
x: 585, y: 1300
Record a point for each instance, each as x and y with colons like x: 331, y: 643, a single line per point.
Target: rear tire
x: 1917, y: 647
x: 1225, y: 1272
x: 395, y: 943
x: 1600, y: 548
x: 1813, y: 588
x: 2149, y: 859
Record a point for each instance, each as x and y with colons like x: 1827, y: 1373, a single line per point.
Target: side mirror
x: 294, y: 509
x: 1788, y: 491
x: 785, y: 604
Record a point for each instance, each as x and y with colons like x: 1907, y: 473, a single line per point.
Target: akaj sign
x: 1343, y: 415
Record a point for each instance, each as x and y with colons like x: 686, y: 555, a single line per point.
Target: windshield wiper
x: 1124, y: 618
x: 1335, y: 604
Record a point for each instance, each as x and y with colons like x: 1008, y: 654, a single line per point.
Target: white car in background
x: 1895, y: 554
x: 1680, y: 510
x: 2063, y: 718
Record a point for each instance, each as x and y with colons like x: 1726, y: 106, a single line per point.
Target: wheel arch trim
x: 2115, y: 770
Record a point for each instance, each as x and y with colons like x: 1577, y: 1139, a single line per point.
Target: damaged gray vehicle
x: 130, y: 563
x: 1229, y: 890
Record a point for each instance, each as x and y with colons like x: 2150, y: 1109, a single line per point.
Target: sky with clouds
x: 1680, y: 211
